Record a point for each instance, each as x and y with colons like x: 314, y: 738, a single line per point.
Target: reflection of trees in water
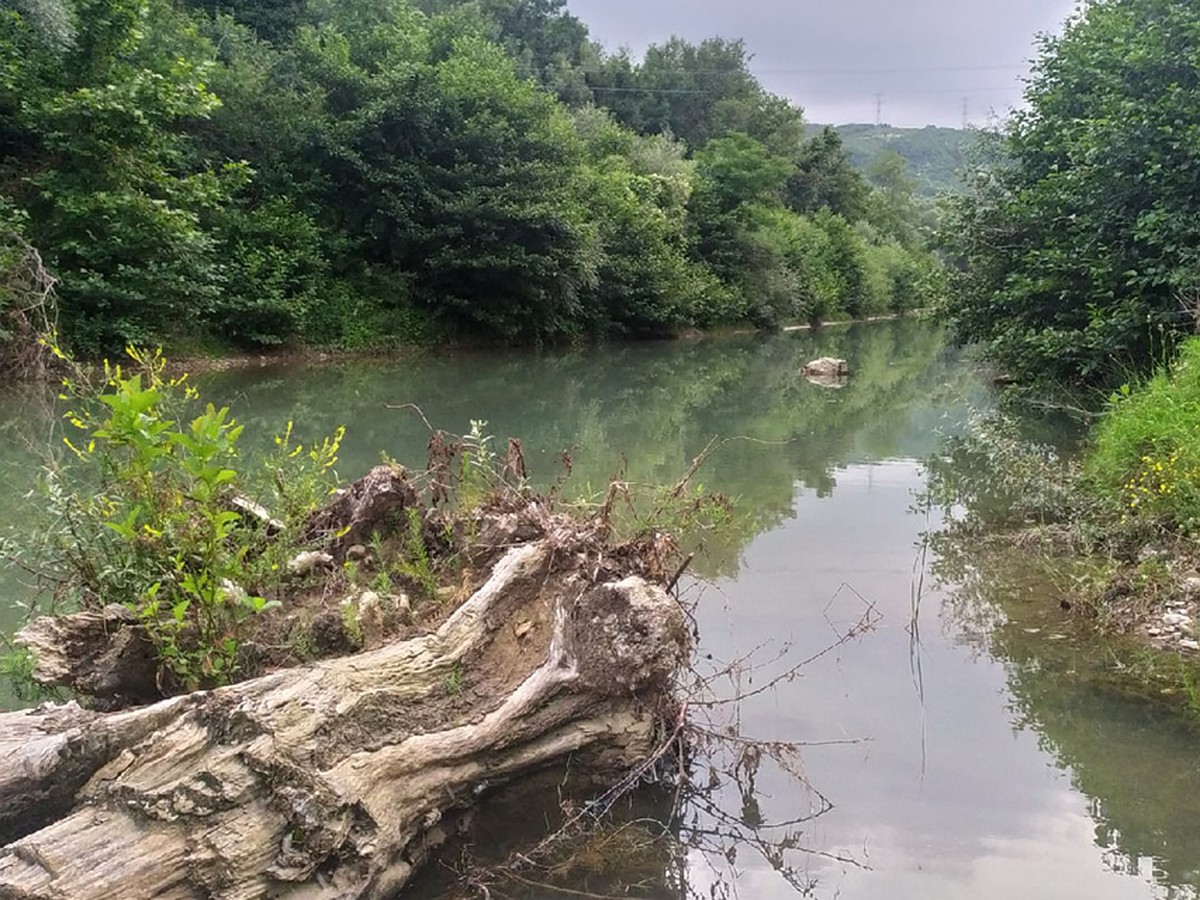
x: 683, y: 825
x: 1135, y: 760
x: 645, y: 409
x: 652, y: 409
x: 669, y: 837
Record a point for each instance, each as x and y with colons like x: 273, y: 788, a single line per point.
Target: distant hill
x: 935, y: 155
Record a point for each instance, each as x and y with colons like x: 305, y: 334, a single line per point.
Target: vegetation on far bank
x: 407, y: 171
x: 935, y: 156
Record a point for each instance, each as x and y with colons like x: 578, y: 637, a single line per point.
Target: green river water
x: 965, y: 757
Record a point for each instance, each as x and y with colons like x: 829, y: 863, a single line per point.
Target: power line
x: 756, y: 72
x: 631, y: 90
x: 891, y: 71
x: 637, y: 90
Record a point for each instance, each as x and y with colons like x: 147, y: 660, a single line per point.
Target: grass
x: 1144, y: 462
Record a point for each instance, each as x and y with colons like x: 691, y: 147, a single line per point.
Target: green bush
x: 143, y: 516
x: 789, y: 276
x: 1145, y: 458
x: 1077, y: 241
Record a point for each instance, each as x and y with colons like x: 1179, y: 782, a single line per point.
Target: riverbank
x: 1088, y: 558
x: 187, y: 359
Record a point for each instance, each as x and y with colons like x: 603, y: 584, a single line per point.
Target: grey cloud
x: 833, y: 57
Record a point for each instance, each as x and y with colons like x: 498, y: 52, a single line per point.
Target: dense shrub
x: 1145, y: 458
x: 1078, y: 242
x: 372, y: 173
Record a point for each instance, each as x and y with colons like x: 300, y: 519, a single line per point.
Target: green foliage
x: 696, y: 92
x: 299, y: 478
x: 1079, y: 238
x: 143, y: 516
x: 275, y: 273
x: 996, y: 478
x: 351, y: 624
x: 646, y: 282
x: 170, y: 545
x: 404, y: 171
x: 453, y: 681
x: 936, y: 156
x: 1145, y: 456
x: 414, y: 562
x: 17, y: 666
x: 825, y: 179
x: 111, y: 201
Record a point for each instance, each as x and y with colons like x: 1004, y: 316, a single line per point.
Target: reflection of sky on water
x: 943, y: 799
x: 947, y: 799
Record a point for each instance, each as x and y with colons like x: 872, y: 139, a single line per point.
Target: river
x: 961, y: 755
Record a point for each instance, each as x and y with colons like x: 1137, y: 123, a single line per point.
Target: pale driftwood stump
x: 331, y: 780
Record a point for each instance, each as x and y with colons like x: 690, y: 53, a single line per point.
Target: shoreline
x: 302, y: 355
x: 185, y: 360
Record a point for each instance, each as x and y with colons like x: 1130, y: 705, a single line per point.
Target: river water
x: 961, y: 752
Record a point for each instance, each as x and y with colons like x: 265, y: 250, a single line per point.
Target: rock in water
x: 827, y: 367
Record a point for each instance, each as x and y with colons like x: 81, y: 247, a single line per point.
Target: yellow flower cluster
x: 1157, y: 479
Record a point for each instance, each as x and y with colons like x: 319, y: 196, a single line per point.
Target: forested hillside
x: 935, y: 156
x: 368, y: 172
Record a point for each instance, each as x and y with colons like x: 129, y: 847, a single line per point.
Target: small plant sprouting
x: 454, y: 681
x: 141, y: 514
x: 477, y: 469
x: 415, y: 562
x: 351, y: 623
x: 383, y: 582
x: 17, y: 665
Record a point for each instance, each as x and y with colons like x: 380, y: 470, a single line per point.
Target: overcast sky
x: 833, y: 56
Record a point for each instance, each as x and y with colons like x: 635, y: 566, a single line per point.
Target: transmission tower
x: 878, y: 109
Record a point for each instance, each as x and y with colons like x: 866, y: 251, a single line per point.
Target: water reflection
x: 1130, y: 757
x: 1133, y: 760
x: 956, y: 767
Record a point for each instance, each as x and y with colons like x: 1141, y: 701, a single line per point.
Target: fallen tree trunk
x: 331, y: 780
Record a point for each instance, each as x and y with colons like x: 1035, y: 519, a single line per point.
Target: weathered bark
x: 331, y: 780
x: 103, y: 654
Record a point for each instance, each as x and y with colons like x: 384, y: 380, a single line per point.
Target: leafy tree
x: 892, y: 205
x: 1080, y: 240
x: 825, y: 179
x: 734, y: 175
x: 363, y: 171
x: 271, y: 20
x: 546, y: 42
x: 457, y: 175
x: 936, y: 156
x: 696, y: 92
x: 101, y: 165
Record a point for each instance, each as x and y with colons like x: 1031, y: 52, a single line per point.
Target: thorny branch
x: 707, y: 764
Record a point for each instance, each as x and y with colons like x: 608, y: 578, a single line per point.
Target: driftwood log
x: 332, y: 780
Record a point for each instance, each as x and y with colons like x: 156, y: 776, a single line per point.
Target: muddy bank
x: 1126, y: 624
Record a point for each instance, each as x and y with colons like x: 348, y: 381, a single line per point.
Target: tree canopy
x: 372, y: 171
x: 1079, y: 240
